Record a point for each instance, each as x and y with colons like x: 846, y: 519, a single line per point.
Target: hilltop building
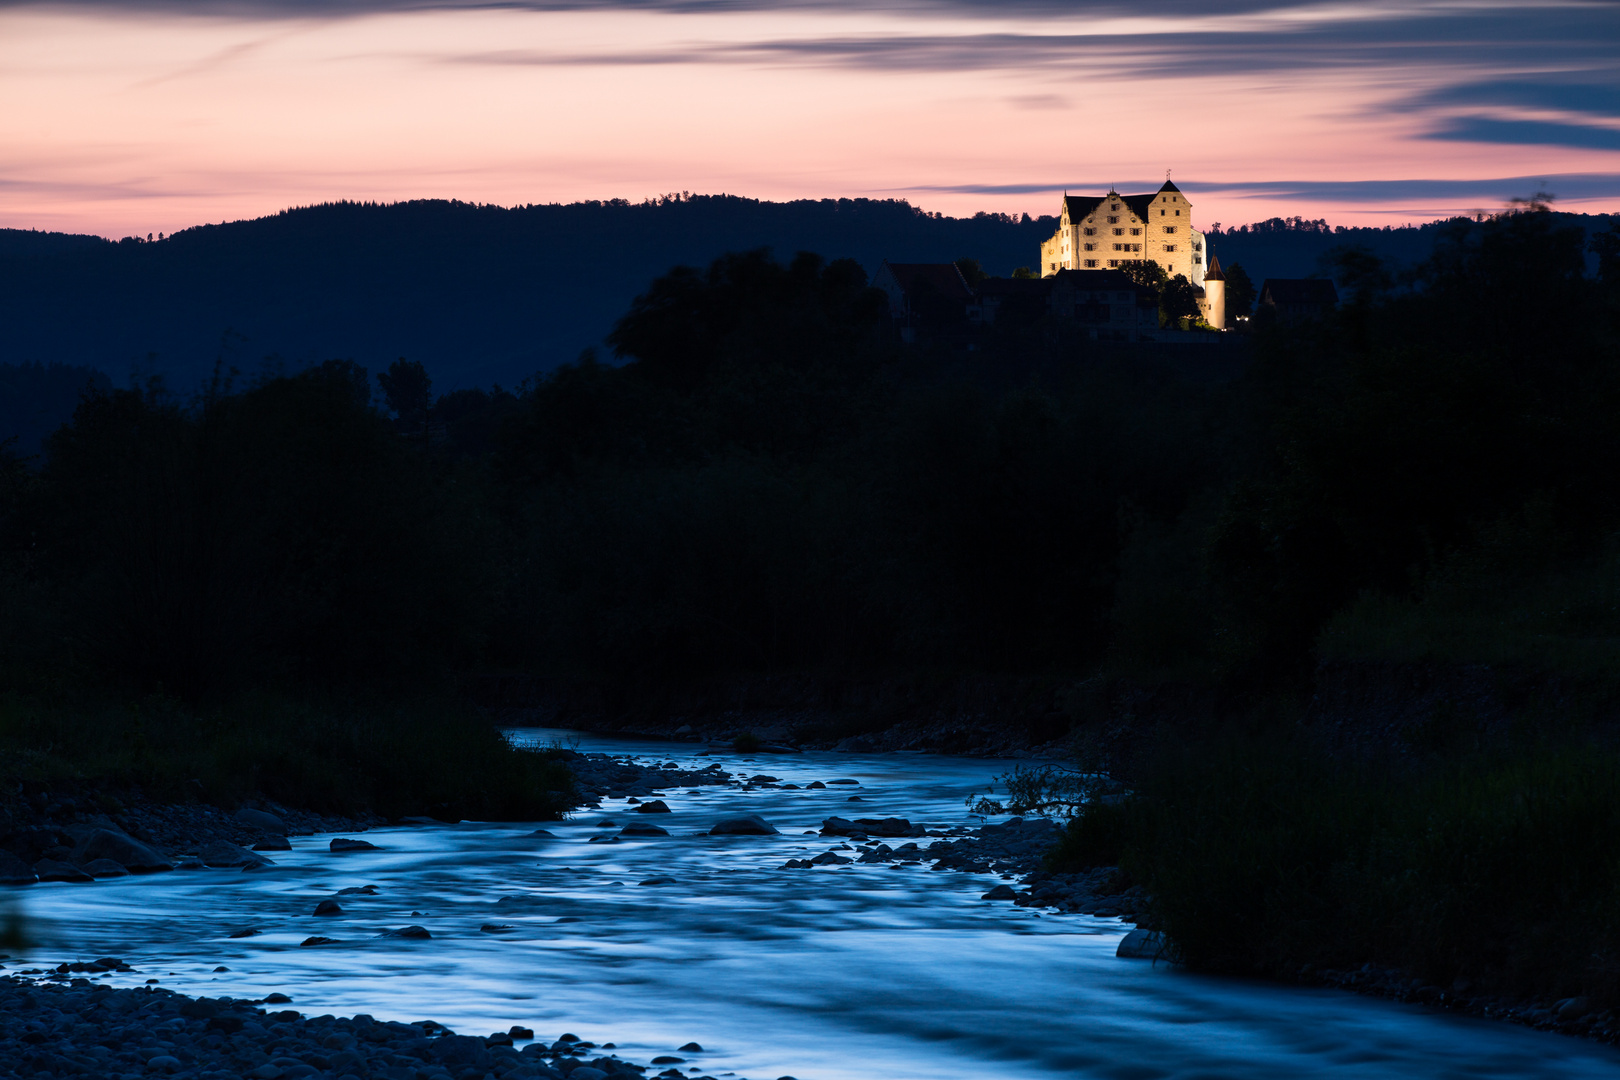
x: 923, y: 295
x: 1108, y: 232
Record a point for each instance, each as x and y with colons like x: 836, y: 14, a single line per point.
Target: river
x: 835, y: 973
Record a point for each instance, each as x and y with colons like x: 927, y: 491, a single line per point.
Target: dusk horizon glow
x: 129, y: 119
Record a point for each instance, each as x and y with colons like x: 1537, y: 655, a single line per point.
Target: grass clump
x: 418, y: 756
x: 1264, y: 857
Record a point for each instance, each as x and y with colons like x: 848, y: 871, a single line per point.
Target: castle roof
x: 1214, y: 271
x: 1082, y: 206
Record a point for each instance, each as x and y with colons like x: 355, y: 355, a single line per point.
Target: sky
x: 129, y: 117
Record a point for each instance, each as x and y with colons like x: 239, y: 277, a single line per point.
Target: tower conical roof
x: 1214, y: 271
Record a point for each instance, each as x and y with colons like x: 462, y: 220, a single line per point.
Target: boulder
x: 340, y: 844
x: 318, y: 940
x: 260, y: 819
x: 328, y: 907
x: 222, y: 853
x: 752, y: 825
x: 656, y: 806
x: 837, y: 826
x: 643, y: 828
x: 1145, y: 945
x: 52, y: 870
x: 1001, y: 892
x: 105, y: 868
x: 274, y: 843
x: 830, y: 858
x: 465, y: 1050
x: 415, y: 933
x: 123, y: 850
x: 13, y: 871
x: 815, y: 785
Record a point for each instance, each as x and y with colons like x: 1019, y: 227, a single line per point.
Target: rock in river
x: 1000, y: 892
x: 104, y: 868
x: 260, y: 819
x: 752, y: 825
x: 643, y: 828
x: 837, y: 826
x: 656, y: 806
x: 51, y: 870
x: 1145, y: 945
x: 219, y: 853
x: 340, y: 844
x: 129, y: 853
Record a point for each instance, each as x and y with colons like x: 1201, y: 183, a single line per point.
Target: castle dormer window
x: 1113, y: 221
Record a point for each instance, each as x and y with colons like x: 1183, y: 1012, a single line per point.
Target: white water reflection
x: 833, y: 974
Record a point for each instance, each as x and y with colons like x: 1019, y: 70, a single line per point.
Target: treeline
x: 770, y: 482
x: 481, y: 294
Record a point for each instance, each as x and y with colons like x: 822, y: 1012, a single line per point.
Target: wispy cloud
x: 1496, y: 189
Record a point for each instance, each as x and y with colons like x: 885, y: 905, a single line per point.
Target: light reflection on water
x: 847, y: 972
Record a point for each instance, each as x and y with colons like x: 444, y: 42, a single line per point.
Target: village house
x: 924, y: 296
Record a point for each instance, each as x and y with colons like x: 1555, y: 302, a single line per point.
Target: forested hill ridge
x: 480, y: 294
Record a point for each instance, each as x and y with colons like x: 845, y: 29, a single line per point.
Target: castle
x: 1111, y: 231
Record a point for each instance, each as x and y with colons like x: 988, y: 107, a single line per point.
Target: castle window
x: 1091, y: 262
x: 1091, y: 232
x: 1114, y: 207
x: 1136, y: 232
x: 1161, y: 213
x: 1114, y: 220
x: 1169, y: 247
x: 1178, y: 213
x: 1113, y: 262
x: 1169, y: 228
x: 1119, y: 232
x: 1119, y: 247
x: 1091, y: 247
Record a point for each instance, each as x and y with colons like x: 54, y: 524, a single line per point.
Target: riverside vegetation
x: 282, y: 579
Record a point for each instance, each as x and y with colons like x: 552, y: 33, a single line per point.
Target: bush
x: 1263, y: 857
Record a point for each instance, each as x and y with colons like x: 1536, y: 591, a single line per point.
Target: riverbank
x: 55, y: 1024
x: 71, y: 832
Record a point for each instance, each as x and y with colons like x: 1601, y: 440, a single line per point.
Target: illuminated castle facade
x: 1108, y: 231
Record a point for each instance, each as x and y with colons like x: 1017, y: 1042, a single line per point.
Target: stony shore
x: 59, y: 1025
x: 67, y: 835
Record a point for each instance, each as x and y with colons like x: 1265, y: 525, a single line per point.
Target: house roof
x: 941, y: 278
x: 1299, y: 291
x: 1214, y: 272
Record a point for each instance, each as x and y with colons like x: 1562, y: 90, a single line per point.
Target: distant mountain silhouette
x: 478, y: 294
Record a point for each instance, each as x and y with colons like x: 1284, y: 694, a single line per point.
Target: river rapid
x: 855, y: 971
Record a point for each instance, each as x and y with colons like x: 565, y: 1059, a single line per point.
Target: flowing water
x: 854, y: 971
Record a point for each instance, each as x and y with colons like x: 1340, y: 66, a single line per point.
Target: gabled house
x: 926, y: 296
